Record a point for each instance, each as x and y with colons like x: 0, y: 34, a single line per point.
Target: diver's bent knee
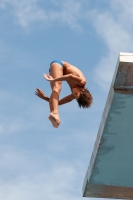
x: 56, y: 89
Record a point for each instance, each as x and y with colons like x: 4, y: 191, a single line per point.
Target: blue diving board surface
x: 110, y: 172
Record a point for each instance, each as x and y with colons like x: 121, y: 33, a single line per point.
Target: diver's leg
x: 56, y: 71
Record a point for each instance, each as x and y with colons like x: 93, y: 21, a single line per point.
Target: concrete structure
x: 110, y: 173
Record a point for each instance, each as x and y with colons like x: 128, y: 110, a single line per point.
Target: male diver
x: 63, y: 71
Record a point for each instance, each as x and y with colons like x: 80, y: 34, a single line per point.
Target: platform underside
x: 110, y: 172
x: 107, y: 191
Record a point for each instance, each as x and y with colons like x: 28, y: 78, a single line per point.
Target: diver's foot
x: 54, y: 118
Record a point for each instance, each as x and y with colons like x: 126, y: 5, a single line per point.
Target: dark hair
x: 85, y: 99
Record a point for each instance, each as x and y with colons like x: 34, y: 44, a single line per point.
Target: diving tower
x: 110, y: 172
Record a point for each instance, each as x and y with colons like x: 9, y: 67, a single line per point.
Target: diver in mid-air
x: 62, y: 71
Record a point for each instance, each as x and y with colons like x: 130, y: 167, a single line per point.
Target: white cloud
x: 18, y: 113
x: 112, y: 27
x: 55, y: 185
x: 104, y: 70
x: 112, y: 32
x: 10, y: 127
x: 25, y: 12
x: 31, y: 173
x: 8, y: 123
x: 70, y: 13
x: 28, y: 12
x: 125, y: 10
x: 22, y: 177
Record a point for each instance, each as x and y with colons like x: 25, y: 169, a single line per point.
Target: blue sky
x: 37, y: 161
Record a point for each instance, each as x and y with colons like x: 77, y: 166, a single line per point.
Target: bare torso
x: 70, y: 69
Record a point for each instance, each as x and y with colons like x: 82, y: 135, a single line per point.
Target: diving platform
x: 110, y: 172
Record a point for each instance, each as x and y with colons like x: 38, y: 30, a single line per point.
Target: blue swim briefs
x: 57, y: 61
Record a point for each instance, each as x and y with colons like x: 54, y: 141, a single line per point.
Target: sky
x: 38, y: 161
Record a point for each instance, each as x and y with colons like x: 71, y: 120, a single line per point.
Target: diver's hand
x: 40, y: 93
x: 48, y: 77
